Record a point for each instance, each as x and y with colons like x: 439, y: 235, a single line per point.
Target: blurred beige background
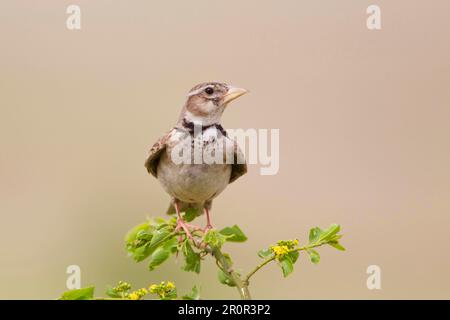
x: 363, y: 118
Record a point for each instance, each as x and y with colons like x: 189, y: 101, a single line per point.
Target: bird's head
x: 207, y: 101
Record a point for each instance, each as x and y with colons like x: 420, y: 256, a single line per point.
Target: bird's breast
x: 194, y: 181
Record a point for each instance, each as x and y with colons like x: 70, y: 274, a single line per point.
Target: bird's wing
x: 239, y: 166
x: 155, y: 153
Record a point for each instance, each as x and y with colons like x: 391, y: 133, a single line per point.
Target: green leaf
x: 132, y: 234
x: 264, y: 253
x: 328, y: 234
x: 234, y: 234
x: 228, y: 258
x: 314, y: 234
x: 286, y: 265
x: 224, y: 279
x: 110, y: 292
x: 171, y: 295
x: 141, y: 253
x: 337, y: 237
x: 159, y: 221
x: 214, y: 239
x: 162, y: 253
x: 193, y: 295
x: 336, y: 245
x: 190, y: 214
x: 158, y: 256
x: 79, y: 294
x: 313, y: 255
x: 192, y: 258
x: 144, y: 235
x: 138, y: 237
x: 159, y: 237
x: 293, y: 255
x: 171, y: 245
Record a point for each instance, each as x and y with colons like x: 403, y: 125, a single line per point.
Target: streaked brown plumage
x: 194, y: 186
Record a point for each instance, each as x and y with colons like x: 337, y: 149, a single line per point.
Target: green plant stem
x: 226, y: 267
x: 241, y: 285
x: 259, y: 266
x: 273, y: 257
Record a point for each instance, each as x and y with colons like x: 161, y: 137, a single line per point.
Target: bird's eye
x: 209, y: 90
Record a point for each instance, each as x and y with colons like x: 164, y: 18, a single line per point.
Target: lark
x: 191, y: 184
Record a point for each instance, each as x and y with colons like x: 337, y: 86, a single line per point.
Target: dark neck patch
x: 190, y: 126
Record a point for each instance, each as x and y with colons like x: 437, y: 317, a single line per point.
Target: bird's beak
x: 233, y: 93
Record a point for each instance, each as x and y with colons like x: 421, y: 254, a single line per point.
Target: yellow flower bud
x: 133, y: 296
x: 153, y: 288
x: 280, y: 251
x: 170, y: 285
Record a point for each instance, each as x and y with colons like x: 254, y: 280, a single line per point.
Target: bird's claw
x: 207, y: 228
x: 182, y: 225
x: 188, y: 229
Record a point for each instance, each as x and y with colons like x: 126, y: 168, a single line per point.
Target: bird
x: 192, y: 185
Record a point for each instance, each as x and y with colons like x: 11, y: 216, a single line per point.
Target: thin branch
x: 242, y: 286
x: 259, y: 266
x: 223, y: 264
x: 273, y: 257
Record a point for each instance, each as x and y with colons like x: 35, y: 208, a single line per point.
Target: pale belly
x: 193, y: 183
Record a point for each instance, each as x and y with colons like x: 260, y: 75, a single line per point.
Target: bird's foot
x: 186, y: 227
x: 207, y: 228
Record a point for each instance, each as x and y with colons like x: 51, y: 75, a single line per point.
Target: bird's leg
x: 181, y: 224
x: 208, y: 221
